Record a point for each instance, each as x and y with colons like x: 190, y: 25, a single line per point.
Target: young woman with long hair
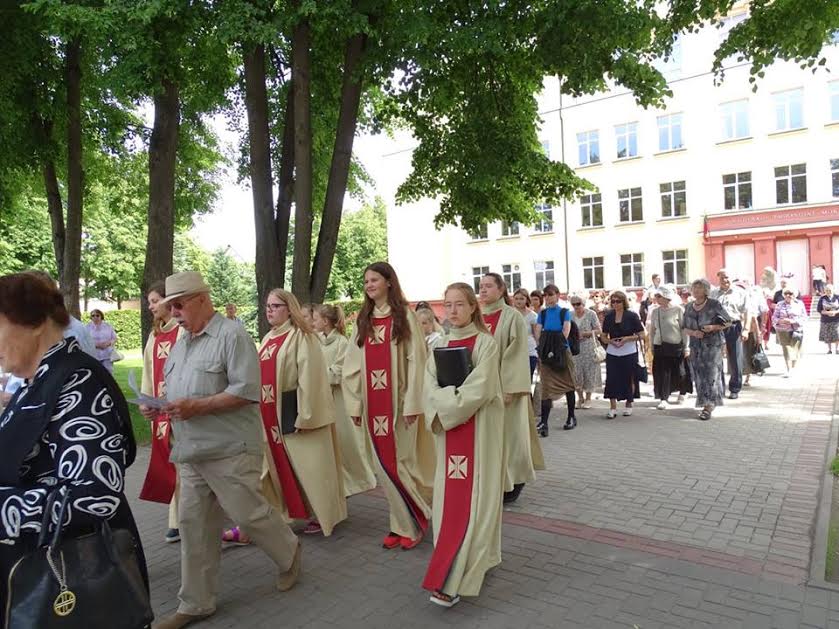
x: 468, y: 426
x: 383, y: 389
x: 356, y: 460
x: 511, y: 333
x: 303, y: 476
x: 161, y: 483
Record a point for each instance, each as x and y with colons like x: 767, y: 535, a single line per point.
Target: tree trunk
x: 269, y: 274
x: 286, y: 182
x: 340, y: 167
x: 301, y: 75
x: 56, y: 210
x: 75, y: 180
x: 162, y: 159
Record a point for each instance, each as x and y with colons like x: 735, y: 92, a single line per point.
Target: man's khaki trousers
x: 208, y: 490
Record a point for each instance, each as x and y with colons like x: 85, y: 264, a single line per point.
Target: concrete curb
x: 818, y: 559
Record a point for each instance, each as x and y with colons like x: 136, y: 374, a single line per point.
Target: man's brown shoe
x: 287, y: 579
x: 178, y: 620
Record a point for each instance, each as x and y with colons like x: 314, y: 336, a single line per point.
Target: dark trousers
x: 668, y: 376
x: 533, y: 361
x: 734, y: 348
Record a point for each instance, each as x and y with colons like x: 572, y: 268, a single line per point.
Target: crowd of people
x: 264, y: 437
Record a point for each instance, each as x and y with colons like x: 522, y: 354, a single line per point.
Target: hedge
x: 126, y: 323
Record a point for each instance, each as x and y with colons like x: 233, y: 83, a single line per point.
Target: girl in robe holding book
x: 356, y: 459
x: 383, y: 381
x: 522, y: 452
x: 468, y: 426
x: 302, y: 472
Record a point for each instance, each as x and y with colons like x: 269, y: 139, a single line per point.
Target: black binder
x: 454, y: 364
x: 288, y: 411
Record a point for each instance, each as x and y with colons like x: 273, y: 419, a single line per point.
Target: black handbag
x: 551, y: 349
x: 641, y: 372
x: 760, y: 361
x: 92, y: 581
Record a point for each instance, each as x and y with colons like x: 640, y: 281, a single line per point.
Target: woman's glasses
x: 273, y: 307
x: 616, y: 301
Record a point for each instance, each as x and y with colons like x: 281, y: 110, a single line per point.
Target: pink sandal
x: 236, y: 537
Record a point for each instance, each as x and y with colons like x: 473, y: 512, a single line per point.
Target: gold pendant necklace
x: 65, y: 602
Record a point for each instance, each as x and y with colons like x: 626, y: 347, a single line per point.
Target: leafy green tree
x: 362, y: 240
x: 231, y: 281
x: 189, y: 256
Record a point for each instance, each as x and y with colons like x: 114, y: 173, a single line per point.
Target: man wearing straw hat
x: 212, y: 384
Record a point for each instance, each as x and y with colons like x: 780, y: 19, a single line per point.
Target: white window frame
x: 590, y: 141
x: 673, y: 192
x: 668, y: 123
x: 588, y: 202
x: 791, y: 183
x: 592, y: 265
x: 670, y: 262
x: 785, y: 104
x: 632, y: 264
x: 626, y: 199
x: 512, y: 276
x: 544, y: 272
x: 510, y: 229
x: 626, y: 134
x: 477, y: 273
x: 734, y: 119
x: 739, y: 185
x: 481, y: 233
x: 545, y: 224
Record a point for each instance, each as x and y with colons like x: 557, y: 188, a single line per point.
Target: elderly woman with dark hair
x: 704, y: 321
x: 104, y: 338
x: 622, y: 328
x: 65, y: 433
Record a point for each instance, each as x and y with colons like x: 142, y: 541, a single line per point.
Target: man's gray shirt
x: 222, y: 358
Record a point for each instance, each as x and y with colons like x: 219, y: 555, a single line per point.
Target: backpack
x: 573, y: 340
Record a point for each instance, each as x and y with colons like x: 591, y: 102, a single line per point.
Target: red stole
x: 292, y: 494
x: 159, y: 485
x: 380, y: 413
x: 492, y: 319
x: 457, y: 500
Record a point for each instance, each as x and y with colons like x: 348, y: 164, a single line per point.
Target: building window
x: 632, y: 269
x: 509, y: 228
x: 737, y: 191
x: 671, y: 67
x: 544, y: 271
x: 588, y: 147
x: 675, y: 266
x: 593, y: 272
x: 670, y: 132
x: 627, y: 139
x: 512, y: 276
x: 789, y: 112
x: 673, y: 199
x: 479, y: 233
x: 735, y: 119
x: 545, y: 224
x: 631, y: 207
x: 834, y: 173
x: 477, y: 273
x: 834, y: 100
x: 791, y: 184
x: 592, y: 208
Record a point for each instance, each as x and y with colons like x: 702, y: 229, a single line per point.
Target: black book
x: 288, y: 411
x: 454, y: 364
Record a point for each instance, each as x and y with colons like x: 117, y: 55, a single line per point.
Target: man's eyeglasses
x: 273, y: 307
x: 179, y: 304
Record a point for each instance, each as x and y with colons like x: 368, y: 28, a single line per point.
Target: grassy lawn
x: 133, y: 360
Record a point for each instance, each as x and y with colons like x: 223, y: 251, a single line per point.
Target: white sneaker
x: 680, y: 399
x: 611, y: 414
x: 627, y: 412
x: 661, y: 405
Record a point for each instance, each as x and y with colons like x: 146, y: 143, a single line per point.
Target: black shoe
x: 542, y: 429
x: 570, y: 423
x: 172, y: 536
x: 733, y: 396
x: 512, y: 496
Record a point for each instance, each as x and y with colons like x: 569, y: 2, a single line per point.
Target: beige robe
x: 313, y: 451
x: 147, y: 388
x: 356, y: 457
x: 414, y: 444
x: 447, y: 408
x: 521, y: 444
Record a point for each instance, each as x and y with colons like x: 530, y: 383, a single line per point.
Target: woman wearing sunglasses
x: 623, y: 329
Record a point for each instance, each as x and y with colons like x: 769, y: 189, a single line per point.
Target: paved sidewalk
x: 657, y: 520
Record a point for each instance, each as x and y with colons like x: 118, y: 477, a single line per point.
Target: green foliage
x: 26, y: 241
x: 834, y: 466
x: 189, y: 256
x: 126, y: 324
x: 231, y: 281
x: 361, y: 240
